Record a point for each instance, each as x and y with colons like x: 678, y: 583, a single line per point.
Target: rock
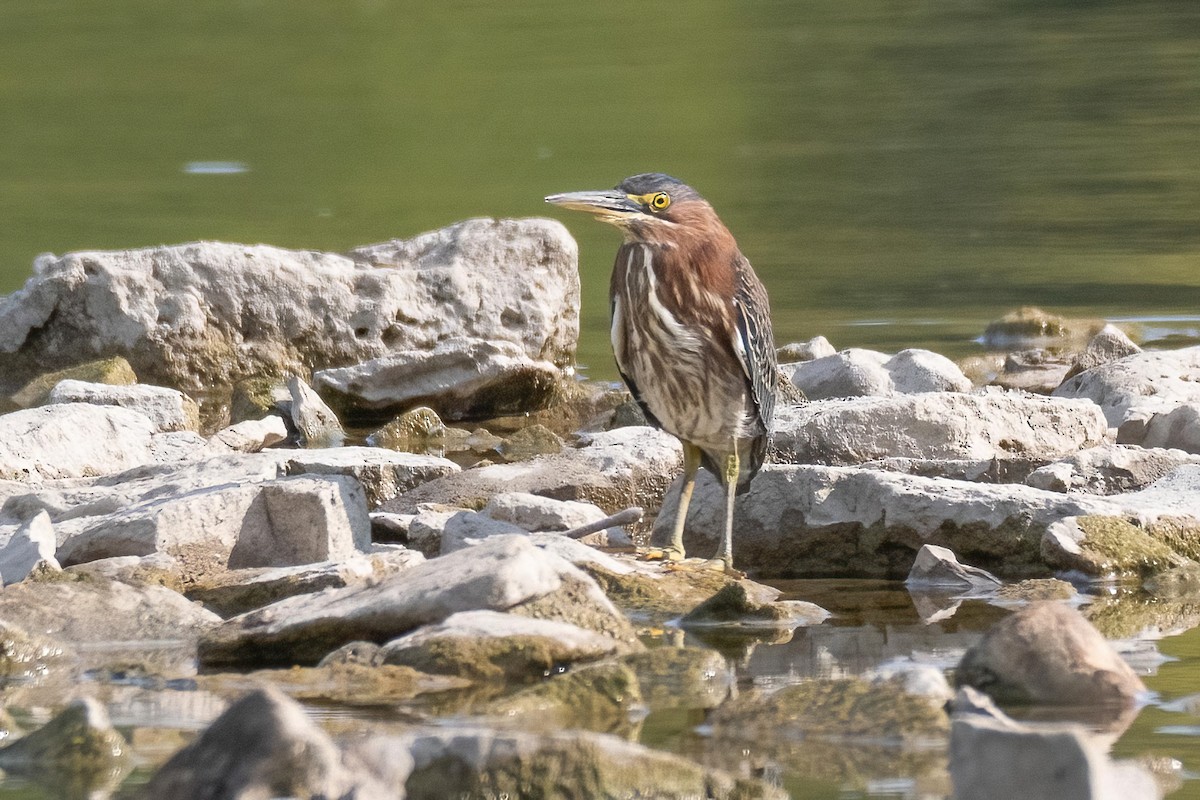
x: 745, y: 605
x: 426, y: 527
x: 460, y: 378
x: 264, y: 746
x: 614, y: 469
x: 992, y: 757
x: 1138, y: 386
x: 168, y: 409
x: 799, y: 520
x: 249, y: 436
x: 603, y: 697
x: 914, y: 371
x: 1108, y: 345
x: 317, y: 423
x: 410, y: 430
x: 814, y: 348
x: 855, y: 372
x: 111, y: 371
x: 1048, y: 653
x: 176, y: 446
x: 276, y: 523
x: 1178, y: 582
x: 535, y: 513
x: 978, y: 428
x: 850, y: 373
x: 1039, y: 371
x: 938, y: 568
x: 1177, y: 429
x: 1109, y: 469
x: 242, y: 590
x: 1108, y: 545
x: 157, y: 569
x: 209, y: 314
x: 1033, y: 327
x: 504, y: 573
x: 682, y: 677
x: 466, y: 528
x: 71, y: 441
x: 1033, y: 590
x: 103, y: 612
x: 461, y: 761
x: 382, y: 473
x: 255, y: 398
x: 77, y: 747
x: 32, y: 544
x: 530, y: 441
x: 492, y: 645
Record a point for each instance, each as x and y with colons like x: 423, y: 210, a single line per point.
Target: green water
x: 900, y: 172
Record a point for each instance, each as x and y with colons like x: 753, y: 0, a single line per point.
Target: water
x: 924, y: 166
x: 900, y: 172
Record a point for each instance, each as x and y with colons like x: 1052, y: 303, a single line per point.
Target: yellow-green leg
x: 691, y: 463
x: 724, y: 557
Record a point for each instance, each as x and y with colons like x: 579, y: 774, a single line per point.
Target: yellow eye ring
x: 660, y: 201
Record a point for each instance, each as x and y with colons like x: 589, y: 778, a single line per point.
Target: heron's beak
x: 609, y: 205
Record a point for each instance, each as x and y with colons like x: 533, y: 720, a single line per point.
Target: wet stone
x: 114, y: 371
x: 748, y: 605
x: 79, y: 747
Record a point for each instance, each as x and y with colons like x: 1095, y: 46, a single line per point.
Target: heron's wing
x: 618, y: 324
x: 754, y: 343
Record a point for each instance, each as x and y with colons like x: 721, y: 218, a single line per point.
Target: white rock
x: 536, y: 513
x: 73, y: 440
x: 383, y: 473
x: 316, y: 421
x: 937, y: 426
x: 461, y: 378
x: 915, y: 370
x: 249, y: 436
x: 467, y: 528
x: 207, y: 314
x: 816, y: 347
x: 1109, y: 469
x: 938, y: 568
x: 32, y: 544
x: 176, y: 446
x: 1177, y: 429
x: 168, y: 409
x: 1140, y: 385
x: 850, y: 373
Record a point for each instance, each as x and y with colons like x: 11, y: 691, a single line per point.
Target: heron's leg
x: 691, y: 463
x: 725, y: 551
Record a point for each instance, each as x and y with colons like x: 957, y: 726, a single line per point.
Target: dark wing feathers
x: 757, y: 350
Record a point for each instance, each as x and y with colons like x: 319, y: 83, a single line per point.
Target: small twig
x: 627, y: 516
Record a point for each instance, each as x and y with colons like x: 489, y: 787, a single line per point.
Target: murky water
x: 899, y: 171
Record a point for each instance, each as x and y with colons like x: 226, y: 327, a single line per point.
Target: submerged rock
x: 263, y: 746
x: 747, y: 605
x: 208, y: 314
x: 78, y: 747
x: 1048, y: 653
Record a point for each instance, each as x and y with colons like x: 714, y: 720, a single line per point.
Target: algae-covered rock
x: 489, y: 645
x: 413, y: 430
x: 749, y: 605
x: 459, y: 761
x: 599, y: 698
x: 681, y: 677
x: 1034, y: 590
x: 114, y: 371
x: 1137, y: 617
x: 78, y: 748
x: 342, y: 681
x: 1029, y: 325
x: 1105, y: 545
x: 530, y: 441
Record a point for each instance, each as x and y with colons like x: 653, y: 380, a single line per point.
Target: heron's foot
x: 668, y: 553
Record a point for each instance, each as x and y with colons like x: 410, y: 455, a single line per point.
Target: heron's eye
x: 660, y: 201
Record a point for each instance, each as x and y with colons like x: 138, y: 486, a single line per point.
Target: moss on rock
x: 1115, y: 544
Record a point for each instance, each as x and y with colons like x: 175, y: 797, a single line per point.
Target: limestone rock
x: 459, y: 378
x: 32, y: 544
x: 382, y: 473
x: 504, y: 573
x: 168, y: 409
x: 856, y: 372
x: 453, y: 761
x: 536, y: 513
x: 979, y: 428
x: 467, y: 528
x: 1039, y: 370
x: 176, y: 446
x: 1109, y: 545
x: 1048, y: 653
x: 1108, y: 345
x: 914, y: 371
x: 208, y: 314
x: 110, y: 371
x: 263, y: 746
x: 1109, y: 469
x: 72, y: 440
x: 284, y: 522
x: 241, y: 590
x: 993, y: 757
x: 317, y: 423
x: 745, y: 605
x: 530, y: 441
x: 1032, y: 327
x: 1138, y: 386
x: 492, y: 645
x: 938, y: 568
x: 249, y: 436
x: 814, y: 348
x: 1177, y: 429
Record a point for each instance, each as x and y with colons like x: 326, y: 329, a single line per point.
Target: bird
x: 691, y: 333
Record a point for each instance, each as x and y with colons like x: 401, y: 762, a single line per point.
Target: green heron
x: 691, y: 331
